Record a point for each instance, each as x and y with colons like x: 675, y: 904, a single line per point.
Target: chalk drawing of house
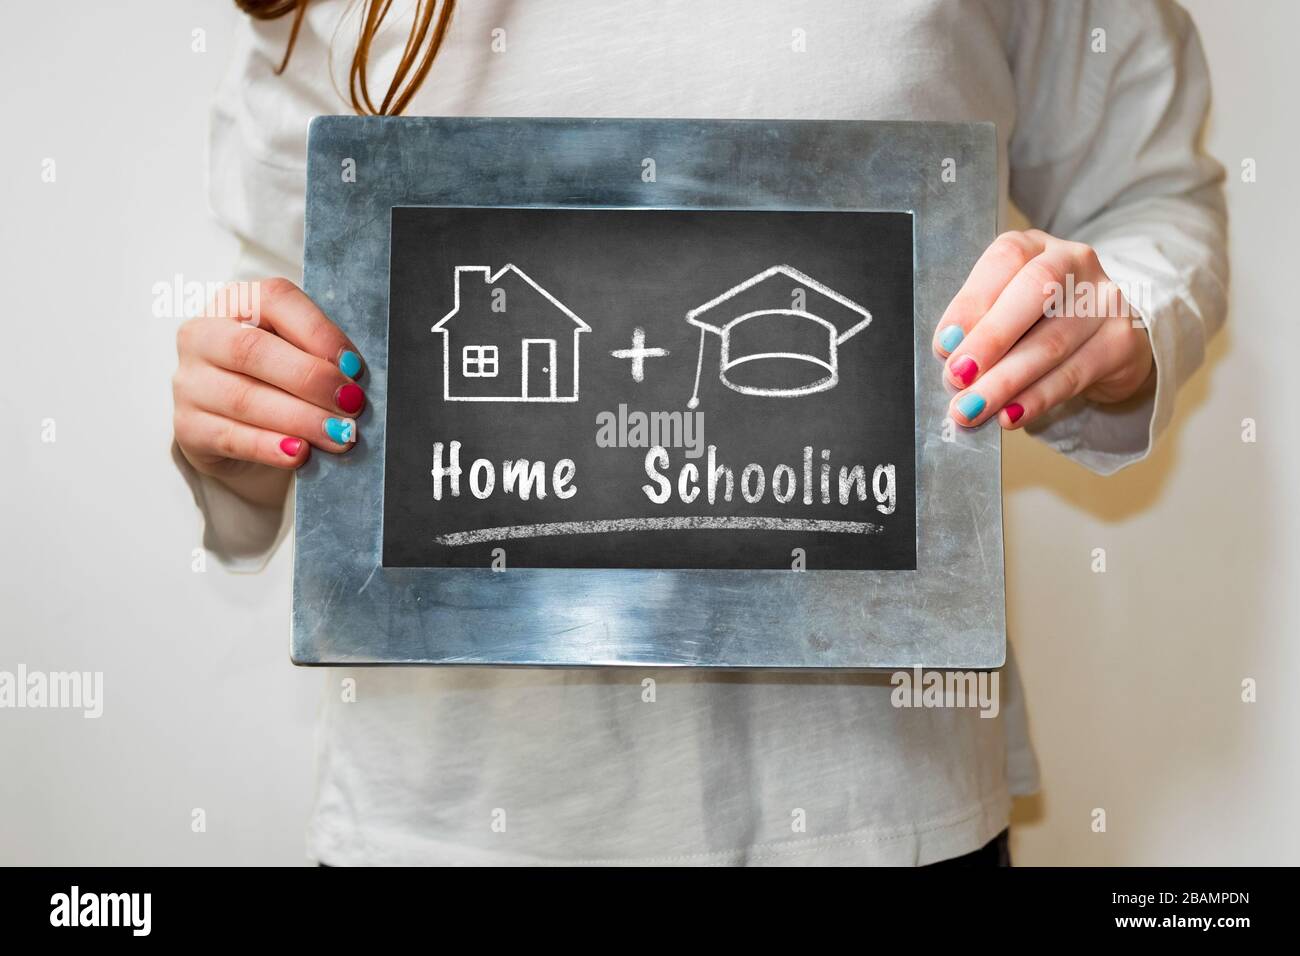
x: 506, y: 339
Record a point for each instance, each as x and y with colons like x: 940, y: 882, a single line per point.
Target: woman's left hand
x: 1038, y: 322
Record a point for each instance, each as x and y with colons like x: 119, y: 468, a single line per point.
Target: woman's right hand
x: 260, y: 382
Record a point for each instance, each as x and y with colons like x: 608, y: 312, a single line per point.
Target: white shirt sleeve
x: 241, y: 535
x: 1111, y: 100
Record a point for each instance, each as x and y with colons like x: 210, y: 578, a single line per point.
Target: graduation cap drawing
x: 780, y: 332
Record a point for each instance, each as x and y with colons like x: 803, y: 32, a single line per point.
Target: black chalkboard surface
x: 650, y: 388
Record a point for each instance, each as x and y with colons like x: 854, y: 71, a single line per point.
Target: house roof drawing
x: 489, y: 278
x: 852, y: 320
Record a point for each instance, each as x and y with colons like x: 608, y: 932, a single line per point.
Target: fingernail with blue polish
x: 350, y: 363
x: 344, y: 430
x: 970, y: 405
x: 951, y: 337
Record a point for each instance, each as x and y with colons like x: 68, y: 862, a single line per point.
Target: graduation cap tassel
x: 695, y: 394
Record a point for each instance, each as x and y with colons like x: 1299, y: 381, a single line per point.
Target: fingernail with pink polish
x: 964, y: 370
x: 291, y: 446
x: 350, y: 398
x: 1015, y: 411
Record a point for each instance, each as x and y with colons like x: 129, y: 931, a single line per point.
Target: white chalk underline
x: 614, y: 525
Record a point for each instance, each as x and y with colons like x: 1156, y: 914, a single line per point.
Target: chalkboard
x: 650, y: 388
x: 813, y: 252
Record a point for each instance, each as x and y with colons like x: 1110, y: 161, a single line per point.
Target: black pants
x: 997, y: 852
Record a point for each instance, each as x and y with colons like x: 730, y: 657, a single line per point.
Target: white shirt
x: 1097, y: 137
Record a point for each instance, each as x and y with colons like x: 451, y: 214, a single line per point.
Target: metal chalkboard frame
x: 348, y: 609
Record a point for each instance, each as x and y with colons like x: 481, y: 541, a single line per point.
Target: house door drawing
x: 539, y: 370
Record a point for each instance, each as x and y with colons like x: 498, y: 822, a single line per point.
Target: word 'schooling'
x: 811, y: 482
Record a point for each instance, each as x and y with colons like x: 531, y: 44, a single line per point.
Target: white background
x: 1134, y: 676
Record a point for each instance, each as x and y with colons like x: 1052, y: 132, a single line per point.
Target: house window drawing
x: 516, y: 341
x: 780, y: 333
x: 479, y: 361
